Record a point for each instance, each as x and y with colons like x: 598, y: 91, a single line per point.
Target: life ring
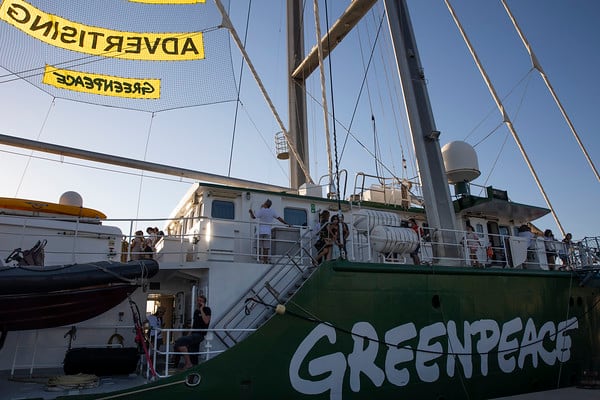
x: 51, y: 208
x: 117, y: 337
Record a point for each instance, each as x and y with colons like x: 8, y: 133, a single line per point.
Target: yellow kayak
x: 51, y: 208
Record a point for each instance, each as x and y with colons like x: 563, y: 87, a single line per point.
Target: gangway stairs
x: 276, y: 286
x: 586, y: 255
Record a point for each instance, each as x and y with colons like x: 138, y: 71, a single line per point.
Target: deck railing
x: 208, y: 239
x: 162, y: 356
x: 25, y: 352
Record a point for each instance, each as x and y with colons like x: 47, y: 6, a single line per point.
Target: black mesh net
x: 118, y: 53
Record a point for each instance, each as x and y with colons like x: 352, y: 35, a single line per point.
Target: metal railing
x: 69, y: 241
x: 161, y: 359
x: 30, y: 340
x: 206, y: 239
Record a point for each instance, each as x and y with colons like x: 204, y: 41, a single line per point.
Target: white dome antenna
x: 460, y: 161
x: 71, y: 199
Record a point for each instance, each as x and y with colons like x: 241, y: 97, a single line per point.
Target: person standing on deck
x: 265, y: 215
x: 137, y: 246
x: 333, y: 230
x: 550, y: 247
x: 566, y: 252
x: 320, y: 230
x: 412, y: 224
x: 345, y: 235
x: 473, y: 244
x: 524, y: 231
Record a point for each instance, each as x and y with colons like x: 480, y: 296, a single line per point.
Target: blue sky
x: 564, y: 35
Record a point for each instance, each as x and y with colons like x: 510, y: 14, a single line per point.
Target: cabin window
x: 479, y: 228
x: 295, y: 216
x: 222, y: 209
x: 504, y: 230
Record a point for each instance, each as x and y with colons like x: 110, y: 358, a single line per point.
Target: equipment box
x: 101, y: 361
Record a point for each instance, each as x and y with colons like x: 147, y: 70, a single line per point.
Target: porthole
x: 193, y: 380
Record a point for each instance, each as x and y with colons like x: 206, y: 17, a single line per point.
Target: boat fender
x: 280, y: 309
x: 116, y: 337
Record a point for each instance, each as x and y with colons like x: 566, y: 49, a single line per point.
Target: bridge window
x: 295, y: 216
x: 222, y: 209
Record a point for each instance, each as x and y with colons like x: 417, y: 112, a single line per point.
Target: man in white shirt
x: 265, y: 215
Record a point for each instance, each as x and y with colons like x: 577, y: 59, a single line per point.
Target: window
x: 504, y: 230
x: 222, y: 209
x: 479, y: 228
x: 295, y: 216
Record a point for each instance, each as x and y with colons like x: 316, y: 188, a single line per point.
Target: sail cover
x: 149, y: 55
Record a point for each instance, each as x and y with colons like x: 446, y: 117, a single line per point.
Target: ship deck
x: 21, y: 386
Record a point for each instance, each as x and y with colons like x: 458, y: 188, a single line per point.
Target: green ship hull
x: 365, y: 331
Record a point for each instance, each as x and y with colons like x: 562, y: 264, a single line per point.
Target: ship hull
x: 433, y: 333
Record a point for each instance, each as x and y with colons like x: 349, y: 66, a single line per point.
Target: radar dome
x: 460, y: 161
x: 71, y: 199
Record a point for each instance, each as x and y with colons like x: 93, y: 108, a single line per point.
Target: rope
x: 324, y: 93
x: 538, y: 66
x: 139, y: 200
x: 79, y: 381
x: 567, y: 318
x: 335, y: 145
x: 226, y: 23
x: 238, y: 102
x: 281, y: 309
x: 31, y: 152
x: 461, y: 377
x: 364, y: 83
x: 130, y: 281
x: 505, y: 116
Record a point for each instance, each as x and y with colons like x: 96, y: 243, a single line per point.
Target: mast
x: 425, y: 137
x: 300, y: 69
x: 298, y: 133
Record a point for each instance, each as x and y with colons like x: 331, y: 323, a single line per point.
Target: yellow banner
x: 69, y: 35
x: 104, y: 85
x: 168, y: 1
